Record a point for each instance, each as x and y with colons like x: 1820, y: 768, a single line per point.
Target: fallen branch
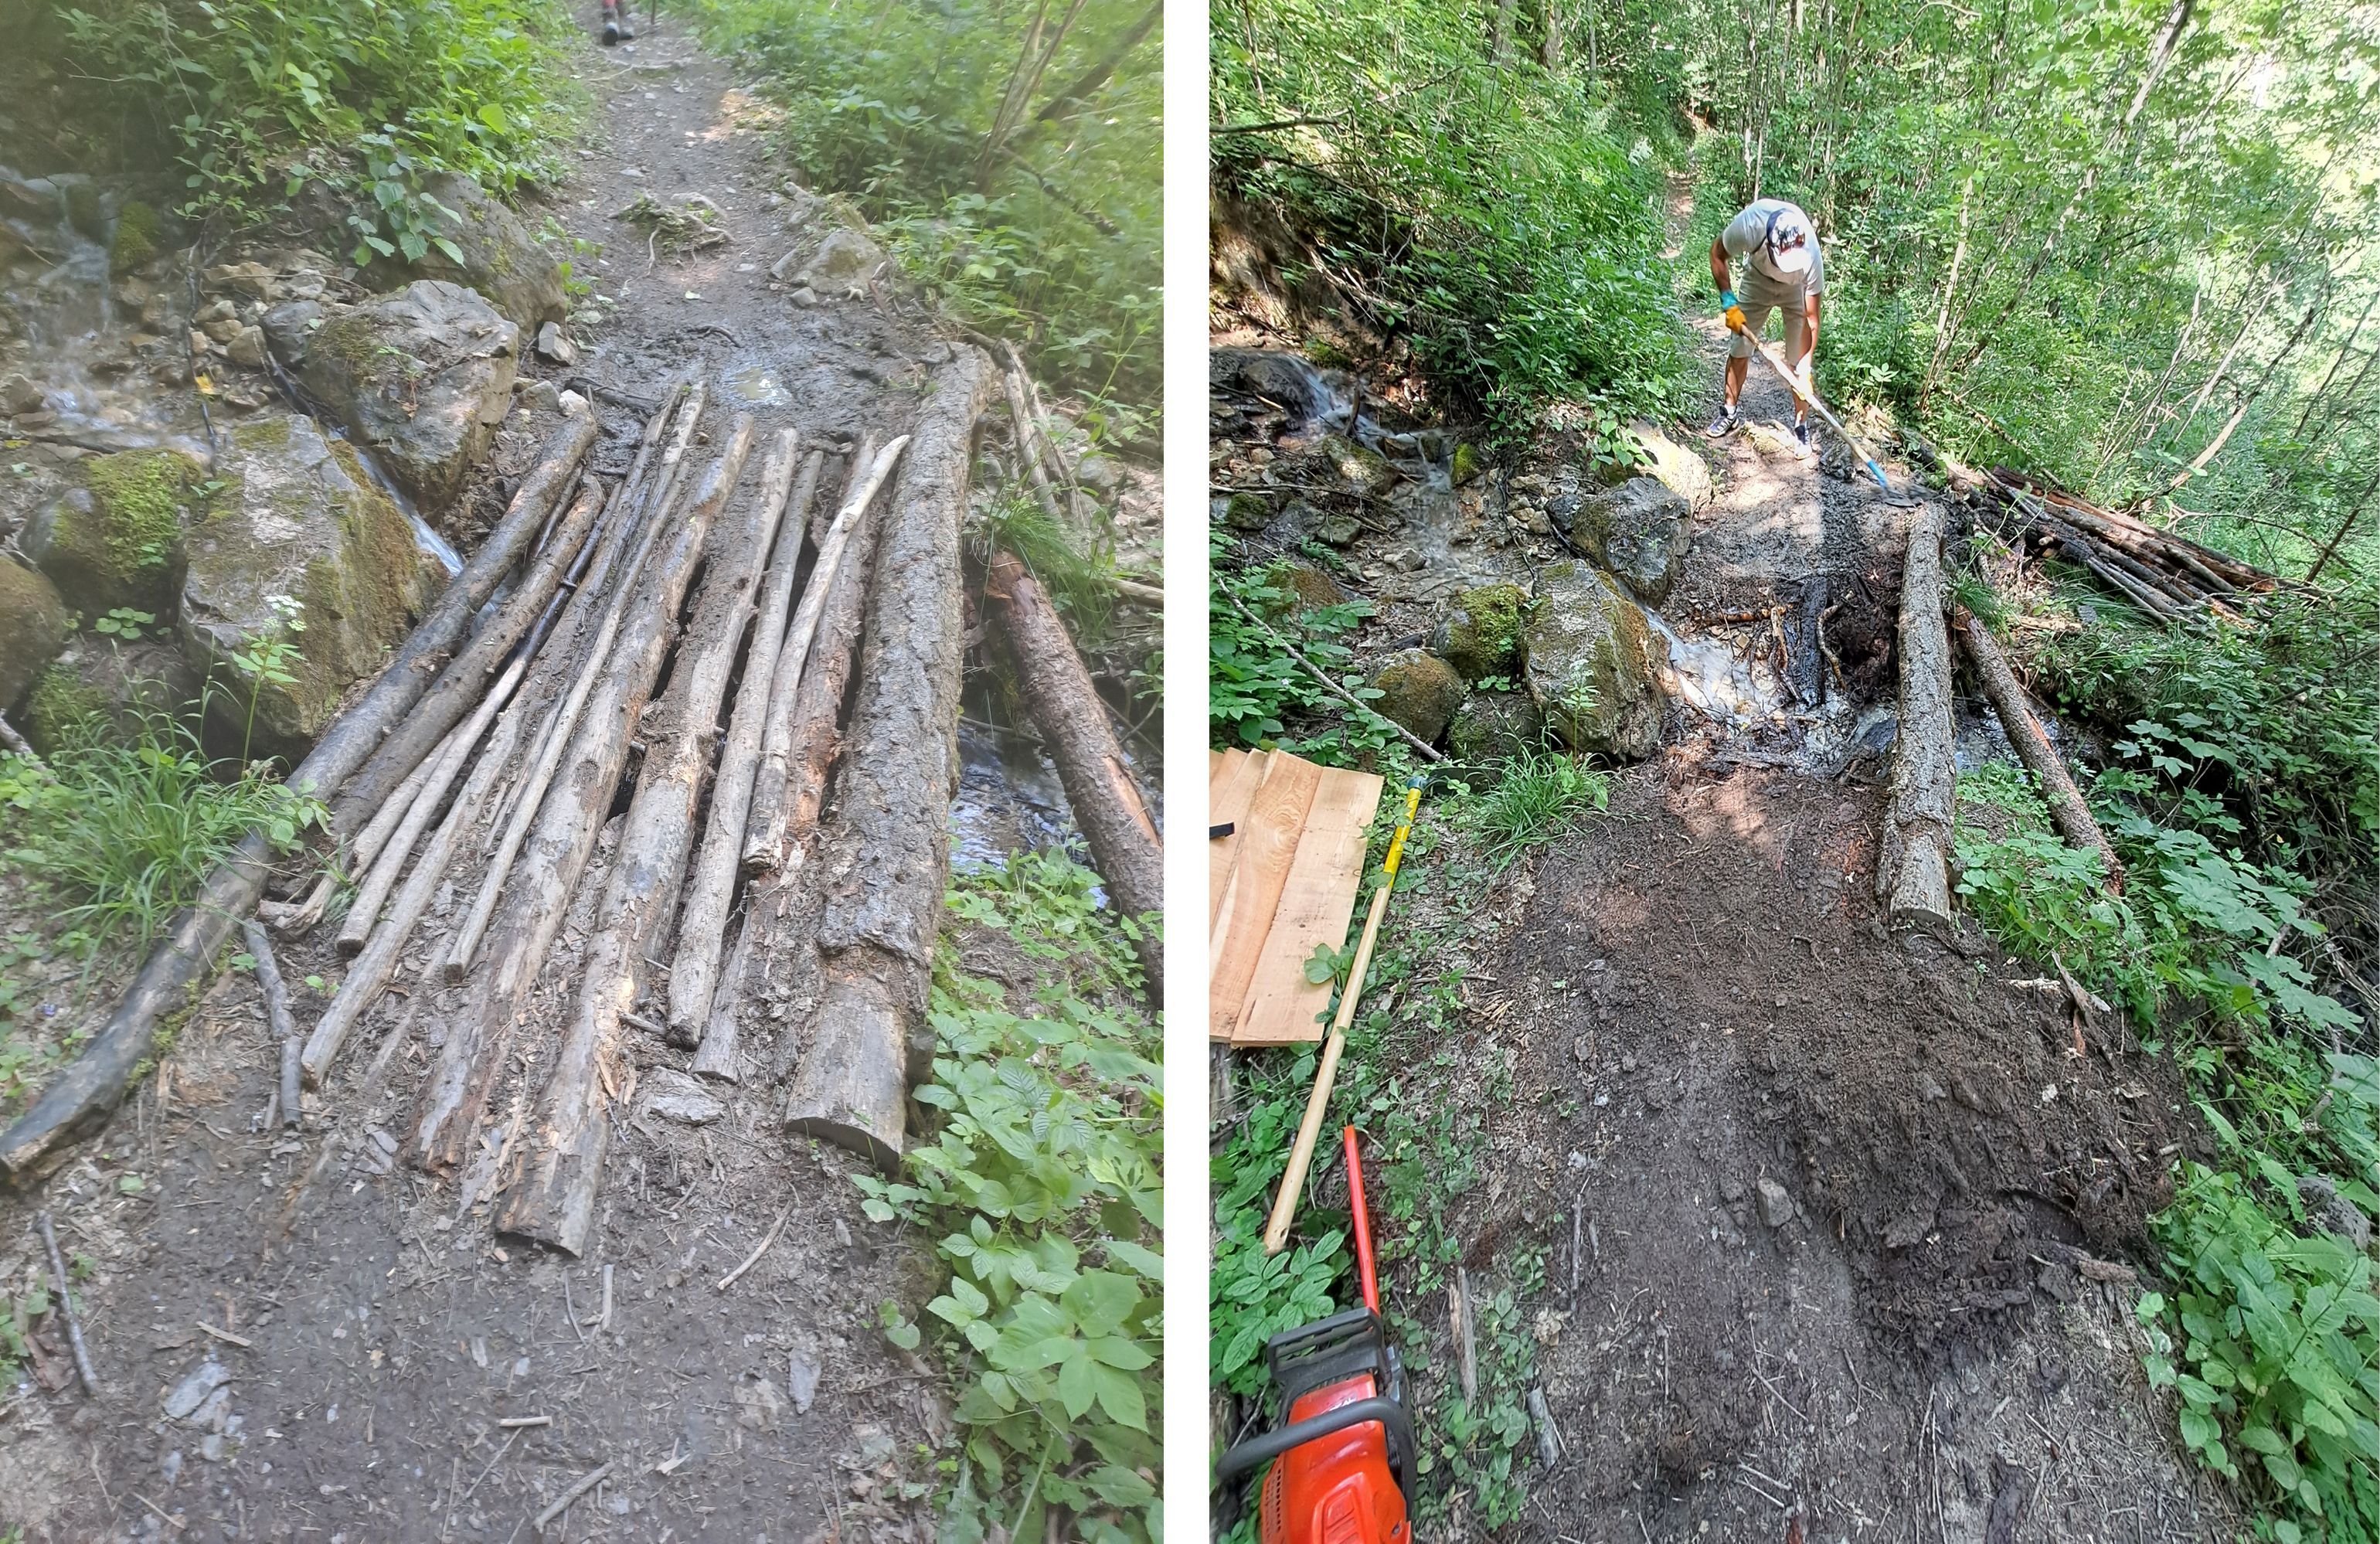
x: 761, y: 1248
x: 66, y: 1305
x: 2067, y: 808
x: 276, y: 1014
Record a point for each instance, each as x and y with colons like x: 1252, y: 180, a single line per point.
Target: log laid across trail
x: 1913, y: 874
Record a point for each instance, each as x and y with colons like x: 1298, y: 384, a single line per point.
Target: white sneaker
x: 1723, y: 425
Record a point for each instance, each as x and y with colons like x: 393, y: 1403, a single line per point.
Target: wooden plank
x: 1281, y: 1006
x: 1267, y: 846
x: 1230, y: 787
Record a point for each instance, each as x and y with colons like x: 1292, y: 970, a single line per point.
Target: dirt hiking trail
x: 1852, y: 1217
x: 299, y: 1336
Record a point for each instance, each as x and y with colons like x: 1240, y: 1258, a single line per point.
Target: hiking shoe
x: 1803, y: 446
x: 612, y: 33
x: 1723, y: 425
x: 627, y: 28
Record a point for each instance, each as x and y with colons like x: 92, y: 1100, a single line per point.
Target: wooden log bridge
x: 762, y: 673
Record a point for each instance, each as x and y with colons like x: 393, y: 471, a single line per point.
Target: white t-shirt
x: 1746, y: 237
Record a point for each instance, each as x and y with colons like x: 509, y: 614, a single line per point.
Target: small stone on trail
x: 1928, y: 1087
x: 555, y: 344
x: 802, y: 1379
x: 192, y: 1391
x: 571, y: 403
x: 538, y: 397
x: 1731, y: 1190
x: 1775, y: 1206
x: 1628, y: 1064
x: 677, y: 1097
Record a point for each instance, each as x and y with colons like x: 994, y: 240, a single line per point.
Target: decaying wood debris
x: 2168, y: 575
x: 1913, y: 872
x: 473, y: 790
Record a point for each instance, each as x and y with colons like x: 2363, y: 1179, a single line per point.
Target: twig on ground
x: 561, y: 1503
x: 753, y: 1258
x: 65, y: 1306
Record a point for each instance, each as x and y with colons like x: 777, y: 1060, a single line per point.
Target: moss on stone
x: 33, y: 623
x: 140, y: 496
x: 1465, y: 464
x: 139, y: 232
x: 60, y: 707
x: 1481, y: 633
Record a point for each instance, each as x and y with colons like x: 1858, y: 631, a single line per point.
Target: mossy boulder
x: 1592, y: 664
x: 1496, y: 726
x: 842, y: 266
x: 1480, y: 633
x: 1418, y: 690
x: 107, y: 687
x: 140, y: 236
x: 1465, y: 464
x: 32, y: 627
x: 298, y: 520
x: 1639, y: 530
x: 1249, y: 512
x: 115, y: 538
x: 422, y: 376
x: 501, y: 259
x: 1364, y: 471
x: 1301, y: 588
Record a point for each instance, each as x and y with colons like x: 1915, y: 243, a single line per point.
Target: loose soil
x: 1831, y: 1221
x: 369, y: 1334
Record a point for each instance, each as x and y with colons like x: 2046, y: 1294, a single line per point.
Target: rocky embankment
x: 210, y: 450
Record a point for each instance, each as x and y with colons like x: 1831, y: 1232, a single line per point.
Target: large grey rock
x: 1592, y: 664
x: 289, y: 330
x: 1480, y: 633
x: 1676, y: 467
x: 1418, y: 690
x: 422, y: 376
x: 1639, y: 530
x: 842, y: 266
x: 32, y: 627
x: 298, y: 520
x: 1363, y: 470
x: 1496, y: 726
x: 1276, y: 375
x: 501, y: 259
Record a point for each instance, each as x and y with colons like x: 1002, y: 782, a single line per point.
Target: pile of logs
x: 821, y: 654
x: 2170, y: 577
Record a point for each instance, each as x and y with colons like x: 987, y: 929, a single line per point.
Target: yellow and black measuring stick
x: 1292, y: 1184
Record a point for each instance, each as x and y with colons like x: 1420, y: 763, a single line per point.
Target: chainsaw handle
x: 1244, y: 1456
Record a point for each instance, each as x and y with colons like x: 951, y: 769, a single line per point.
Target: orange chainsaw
x: 1344, y: 1458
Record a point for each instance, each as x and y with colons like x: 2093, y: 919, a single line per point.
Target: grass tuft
x: 1540, y: 797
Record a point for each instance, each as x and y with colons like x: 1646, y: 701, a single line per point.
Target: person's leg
x: 1797, y: 351
x: 1739, y: 365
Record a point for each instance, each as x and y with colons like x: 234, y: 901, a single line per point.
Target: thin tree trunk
x: 890, y: 851
x: 653, y: 521
x: 2344, y: 349
x: 554, y: 859
x: 711, y: 888
x: 2067, y: 807
x: 550, y: 1194
x: 2340, y: 534
x: 1066, y: 709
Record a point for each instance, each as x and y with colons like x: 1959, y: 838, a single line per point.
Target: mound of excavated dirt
x: 1851, y: 1220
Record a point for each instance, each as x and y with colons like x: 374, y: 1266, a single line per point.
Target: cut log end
x: 852, y: 1087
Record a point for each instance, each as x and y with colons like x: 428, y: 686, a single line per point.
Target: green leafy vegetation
x: 367, y: 97
x: 1254, y: 688
x: 1011, y: 154
x: 1042, y: 1181
x: 1535, y: 799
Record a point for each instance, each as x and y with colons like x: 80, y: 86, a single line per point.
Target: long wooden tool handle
x: 1794, y: 383
x: 1301, y: 1154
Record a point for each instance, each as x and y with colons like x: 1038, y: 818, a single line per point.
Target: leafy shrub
x: 1037, y: 216
x: 1496, y: 214
x: 1043, y: 1184
x: 1254, y: 689
x: 2278, y: 1336
x: 367, y: 96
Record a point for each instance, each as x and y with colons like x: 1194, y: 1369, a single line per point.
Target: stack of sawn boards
x: 1280, y: 883
x: 823, y: 640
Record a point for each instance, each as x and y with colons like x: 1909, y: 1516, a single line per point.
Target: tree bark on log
x: 779, y: 919
x: 554, y: 857
x: 1066, y: 707
x: 891, y: 845
x: 652, y: 519
x: 459, y: 685
x: 2067, y: 808
x: 549, y: 1194
x: 711, y: 887
x: 83, y: 1095
x: 764, y: 828
x: 1913, y: 872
